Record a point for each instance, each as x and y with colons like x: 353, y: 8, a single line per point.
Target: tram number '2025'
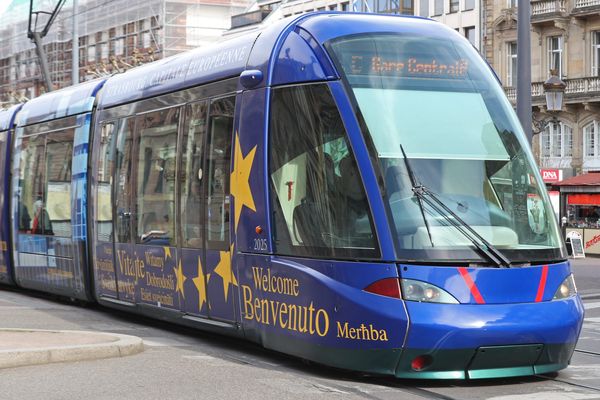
x: 260, y: 244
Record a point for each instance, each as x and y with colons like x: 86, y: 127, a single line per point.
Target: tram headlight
x: 566, y: 289
x: 413, y: 290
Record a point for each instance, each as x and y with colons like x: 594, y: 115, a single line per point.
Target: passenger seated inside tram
x: 24, y: 218
x: 41, y: 224
x: 155, y: 231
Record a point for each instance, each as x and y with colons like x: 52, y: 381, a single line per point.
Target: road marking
x: 590, y: 306
x: 547, y: 396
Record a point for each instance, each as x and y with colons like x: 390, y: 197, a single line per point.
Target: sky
x: 4, y: 5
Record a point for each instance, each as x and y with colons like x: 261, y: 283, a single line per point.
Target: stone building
x: 565, y: 37
x: 112, y: 36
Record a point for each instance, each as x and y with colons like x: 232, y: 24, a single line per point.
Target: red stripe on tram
x: 542, y: 285
x: 471, y: 285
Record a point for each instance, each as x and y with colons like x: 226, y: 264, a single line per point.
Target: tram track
x: 428, y: 394
x: 593, y: 353
x: 570, y: 383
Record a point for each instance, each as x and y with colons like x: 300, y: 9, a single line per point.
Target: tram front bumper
x: 460, y: 341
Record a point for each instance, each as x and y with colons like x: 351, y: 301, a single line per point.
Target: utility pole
x: 37, y: 36
x: 524, y: 67
x: 75, y: 46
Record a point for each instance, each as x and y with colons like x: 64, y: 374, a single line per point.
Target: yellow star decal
x: 167, y: 252
x: 180, y: 279
x: 240, y: 185
x: 200, y: 283
x: 223, y: 269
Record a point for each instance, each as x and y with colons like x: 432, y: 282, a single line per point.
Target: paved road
x: 587, y: 276
x: 185, y: 364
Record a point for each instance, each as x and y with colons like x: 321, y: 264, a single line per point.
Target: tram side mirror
x: 251, y: 78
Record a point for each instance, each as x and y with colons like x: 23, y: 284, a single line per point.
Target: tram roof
x: 202, y: 65
x: 257, y: 50
x: 7, y: 117
x: 61, y: 103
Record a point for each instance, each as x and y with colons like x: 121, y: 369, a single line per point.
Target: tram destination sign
x: 411, y: 66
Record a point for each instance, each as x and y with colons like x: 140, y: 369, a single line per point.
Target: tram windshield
x: 437, y: 102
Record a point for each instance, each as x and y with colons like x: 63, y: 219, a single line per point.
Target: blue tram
x: 350, y: 189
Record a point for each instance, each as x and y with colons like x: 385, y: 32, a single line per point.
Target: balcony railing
x: 537, y: 89
x: 578, y: 87
x: 582, y: 86
x: 549, y: 6
x: 586, y: 3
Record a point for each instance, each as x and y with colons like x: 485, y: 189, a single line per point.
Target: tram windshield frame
x: 436, y: 100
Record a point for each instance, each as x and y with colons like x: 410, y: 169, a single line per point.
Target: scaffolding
x: 113, y: 35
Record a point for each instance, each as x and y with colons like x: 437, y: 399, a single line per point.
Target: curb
x: 116, y: 345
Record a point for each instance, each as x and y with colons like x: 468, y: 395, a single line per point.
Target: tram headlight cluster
x: 413, y: 290
x: 566, y: 289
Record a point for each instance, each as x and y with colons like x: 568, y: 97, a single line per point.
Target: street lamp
x: 554, y: 88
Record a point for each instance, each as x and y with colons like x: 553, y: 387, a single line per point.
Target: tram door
x: 218, y: 240
x: 205, y: 209
x: 148, y: 268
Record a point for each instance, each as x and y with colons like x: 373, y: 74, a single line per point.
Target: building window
x: 91, y: 54
x: 590, y: 140
x: 469, y: 5
x: 368, y: 5
x: 555, y: 48
x: 557, y: 140
x: 118, y: 46
x: 470, y: 35
x: 344, y: 6
x: 511, y: 64
x: 454, y: 4
x: 596, y: 53
x: 146, y: 40
x: 424, y: 8
x: 104, y: 51
x: 438, y: 7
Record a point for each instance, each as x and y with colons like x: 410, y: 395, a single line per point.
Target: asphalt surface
x: 180, y: 363
x: 587, y: 276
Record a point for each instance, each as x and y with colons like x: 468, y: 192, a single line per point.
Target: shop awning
x: 581, y: 199
x: 591, y: 179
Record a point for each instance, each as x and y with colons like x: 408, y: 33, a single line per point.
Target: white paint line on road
x: 590, y: 306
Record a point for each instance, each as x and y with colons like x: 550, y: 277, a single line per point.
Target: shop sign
x: 552, y: 175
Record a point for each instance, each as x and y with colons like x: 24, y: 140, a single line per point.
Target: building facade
x: 112, y: 36
x: 565, y: 37
x: 464, y: 16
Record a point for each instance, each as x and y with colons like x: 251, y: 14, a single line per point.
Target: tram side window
x: 320, y: 207
x: 123, y: 179
x: 59, y: 153
x: 45, y: 183
x: 191, y: 174
x: 104, y: 225
x: 218, y: 166
x: 155, y: 174
x: 31, y: 181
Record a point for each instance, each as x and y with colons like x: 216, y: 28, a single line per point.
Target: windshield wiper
x: 427, y: 196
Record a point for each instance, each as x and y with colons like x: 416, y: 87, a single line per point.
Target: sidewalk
x: 21, y: 347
